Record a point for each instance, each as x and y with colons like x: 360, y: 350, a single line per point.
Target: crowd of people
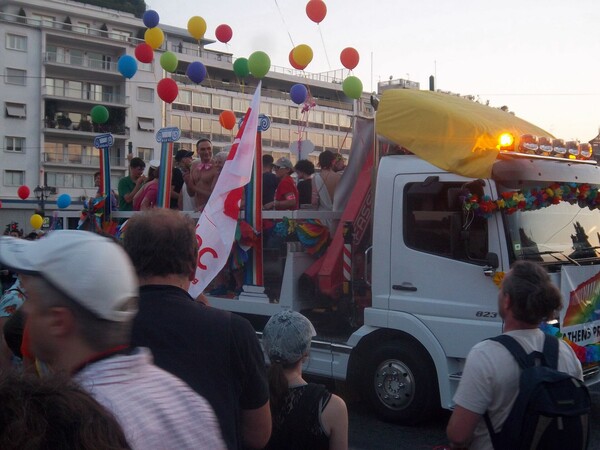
x: 101, y: 345
x: 163, y: 370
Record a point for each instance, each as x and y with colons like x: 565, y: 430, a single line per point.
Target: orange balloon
x: 293, y: 63
x: 227, y: 120
x: 316, y: 10
x: 349, y: 58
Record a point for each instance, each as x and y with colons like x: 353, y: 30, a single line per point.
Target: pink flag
x: 215, y: 231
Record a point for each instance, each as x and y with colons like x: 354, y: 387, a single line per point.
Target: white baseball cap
x: 90, y: 269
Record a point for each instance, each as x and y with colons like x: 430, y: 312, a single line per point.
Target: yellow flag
x: 453, y: 133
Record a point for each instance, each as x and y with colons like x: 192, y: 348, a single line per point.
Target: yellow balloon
x: 154, y: 37
x: 302, y: 55
x: 36, y: 221
x: 197, y: 27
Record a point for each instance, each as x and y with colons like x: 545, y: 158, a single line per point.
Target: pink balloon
x: 224, y: 33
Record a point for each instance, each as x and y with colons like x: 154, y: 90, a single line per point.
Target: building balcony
x: 85, y: 95
x: 96, y: 65
x: 82, y: 160
x: 84, y: 128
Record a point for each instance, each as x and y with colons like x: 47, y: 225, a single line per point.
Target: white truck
x: 423, y: 257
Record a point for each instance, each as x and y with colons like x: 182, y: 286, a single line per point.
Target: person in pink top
x: 147, y: 196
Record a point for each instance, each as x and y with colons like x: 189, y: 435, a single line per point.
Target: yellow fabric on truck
x: 453, y: 133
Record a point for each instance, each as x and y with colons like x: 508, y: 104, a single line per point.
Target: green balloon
x: 240, y: 68
x: 352, y: 87
x: 259, y: 64
x: 99, y: 114
x: 168, y: 61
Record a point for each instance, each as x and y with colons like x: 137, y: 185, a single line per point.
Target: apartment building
x: 59, y: 59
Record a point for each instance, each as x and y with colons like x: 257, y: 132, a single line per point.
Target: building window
x: 15, y: 42
x: 145, y: 153
x: 15, y: 110
x: 186, y: 123
x: 345, y: 121
x: 14, y: 177
x: 184, y: 97
x: 281, y: 111
x: 201, y: 99
x: 331, y: 118
x: 146, y: 67
x: 240, y: 105
x: 14, y: 144
x: 76, y: 57
x: 196, y: 124
x: 145, y: 94
x: 16, y: 76
x: 145, y: 124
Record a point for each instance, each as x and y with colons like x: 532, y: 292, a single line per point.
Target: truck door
x: 438, y: 256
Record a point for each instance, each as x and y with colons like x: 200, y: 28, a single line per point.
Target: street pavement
x: 366, y: 432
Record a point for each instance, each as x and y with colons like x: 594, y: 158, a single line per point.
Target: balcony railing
x: 70, y: 28
x: 80, y: 159
x: 84, y: 126
x: 81, y: 61
x: 85, y: 94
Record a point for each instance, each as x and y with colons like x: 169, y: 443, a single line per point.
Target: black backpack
x: 552, y: 409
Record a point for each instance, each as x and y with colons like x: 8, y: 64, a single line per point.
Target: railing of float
x: 300, y: 214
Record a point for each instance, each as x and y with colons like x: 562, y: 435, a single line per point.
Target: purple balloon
x: 298, y: 93
x: 150, y: 18
x: 196, y: 72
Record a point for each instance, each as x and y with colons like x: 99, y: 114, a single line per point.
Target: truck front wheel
x: 401, y: 383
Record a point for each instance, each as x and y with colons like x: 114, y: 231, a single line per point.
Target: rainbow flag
x: 165, y: 175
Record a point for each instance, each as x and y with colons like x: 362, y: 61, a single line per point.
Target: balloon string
x: 284, y: 24
x: 324, y: 46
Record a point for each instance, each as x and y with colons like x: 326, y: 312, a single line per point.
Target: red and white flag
x: 215, y: 231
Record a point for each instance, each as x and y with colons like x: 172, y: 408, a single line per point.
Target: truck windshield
x: 562, y: 233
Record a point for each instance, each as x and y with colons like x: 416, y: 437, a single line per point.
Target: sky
x: 539, y: 58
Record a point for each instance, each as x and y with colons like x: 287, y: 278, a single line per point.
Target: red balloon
x: 227, y: 120
x: 23, y: 192
x: 167, y: 90
x: 294, y: 64
x: 144, y: 53
x: 349, y: 58
x: 316, y: 10
x: 224, y: 33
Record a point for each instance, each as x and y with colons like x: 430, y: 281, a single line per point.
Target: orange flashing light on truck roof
x: 529, y: 144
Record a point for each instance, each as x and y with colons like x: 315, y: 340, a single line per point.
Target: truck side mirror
x: 492, y: 264
x: 492, y: 260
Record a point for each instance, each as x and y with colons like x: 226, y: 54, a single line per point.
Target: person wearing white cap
x: 305, y: 415
x: 81, y: 299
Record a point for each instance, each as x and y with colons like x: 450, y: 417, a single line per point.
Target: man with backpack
x: 497, y: 391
